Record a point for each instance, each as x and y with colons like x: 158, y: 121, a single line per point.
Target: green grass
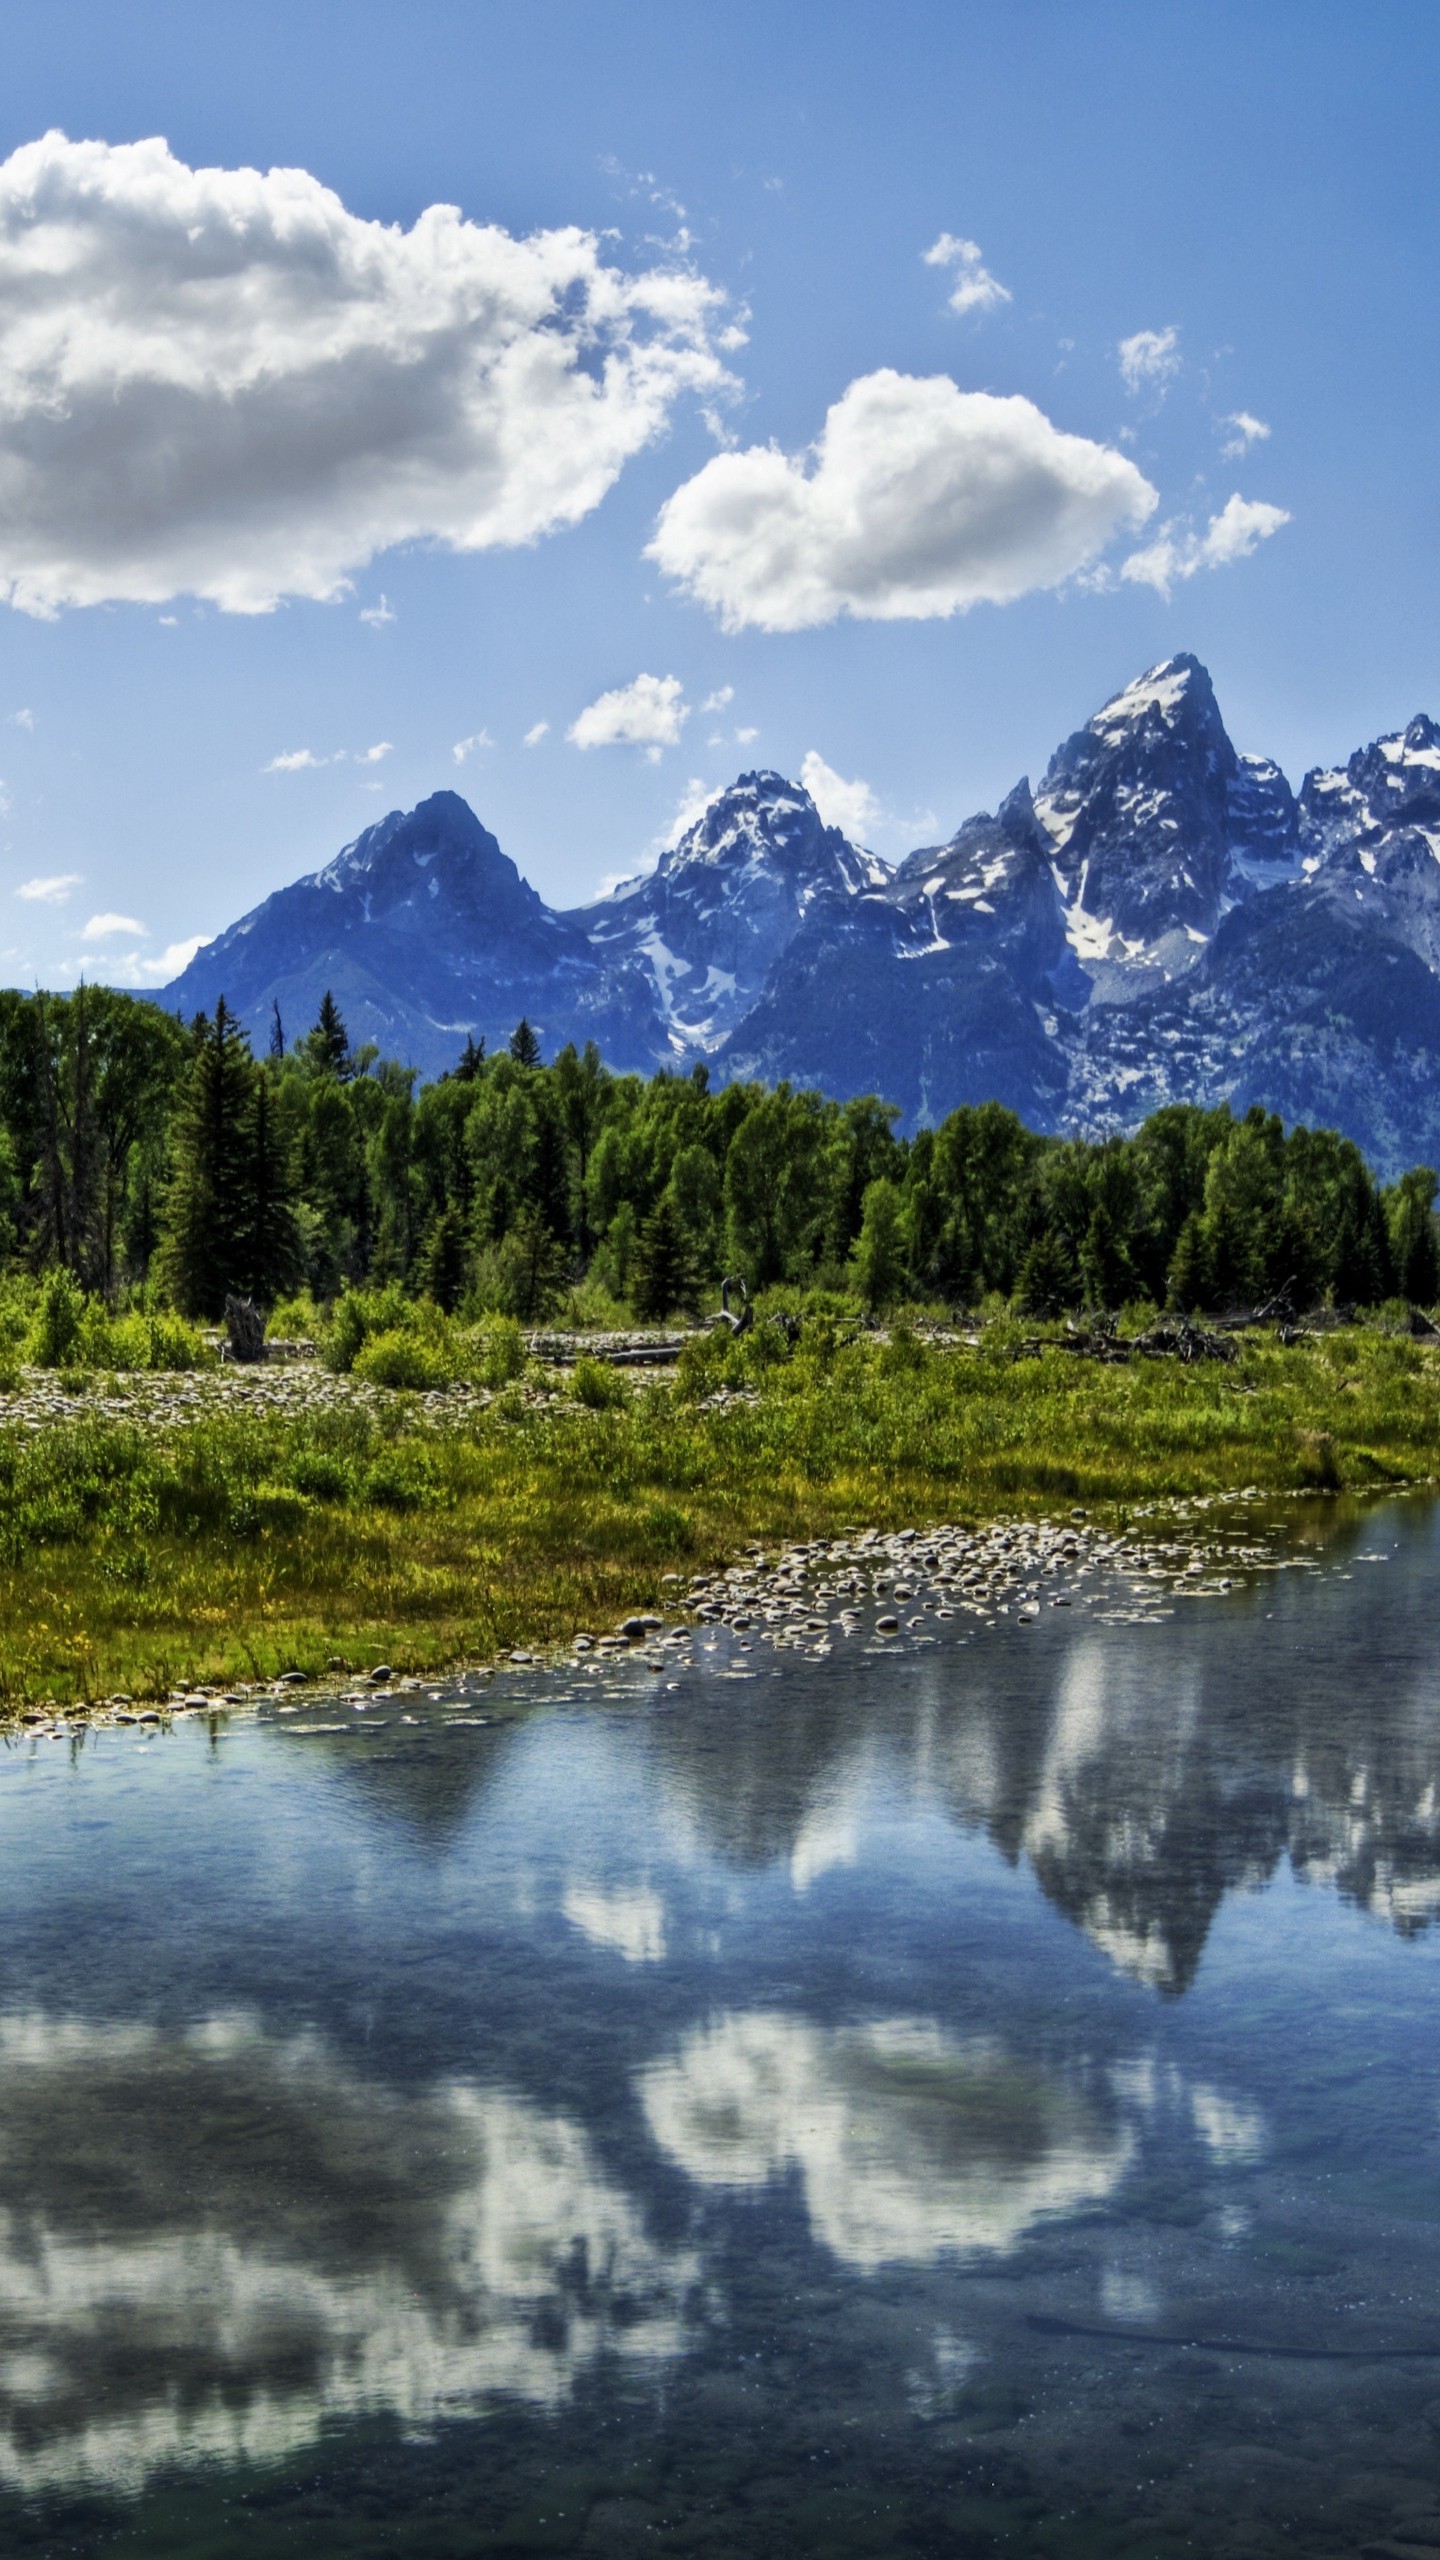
x: 138, y: 1556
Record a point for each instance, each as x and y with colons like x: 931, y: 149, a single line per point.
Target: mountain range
x: 1160, y: 919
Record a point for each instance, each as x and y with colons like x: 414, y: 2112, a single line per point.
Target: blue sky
x: 1246, y: 197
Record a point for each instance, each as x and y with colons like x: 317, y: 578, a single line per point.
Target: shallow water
x: 981, y: 2096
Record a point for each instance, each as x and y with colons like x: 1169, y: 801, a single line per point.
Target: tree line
x: 138, y: 1151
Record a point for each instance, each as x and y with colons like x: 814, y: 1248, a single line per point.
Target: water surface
x: 982, y: 2096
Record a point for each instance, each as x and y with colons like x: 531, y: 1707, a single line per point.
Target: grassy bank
x: 231, y: 1544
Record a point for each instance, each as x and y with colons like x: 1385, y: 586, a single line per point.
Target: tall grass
x: 234, y: 1545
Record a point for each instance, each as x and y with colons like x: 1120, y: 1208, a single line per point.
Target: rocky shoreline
x: 870, y: 1589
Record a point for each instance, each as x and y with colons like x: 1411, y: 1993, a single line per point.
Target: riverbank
x: 223, y: 1528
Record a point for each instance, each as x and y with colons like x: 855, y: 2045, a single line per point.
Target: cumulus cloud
x: 534, y: 735
x: 649, y: 713
x: 1245, y: 432
x: 168, y: 964
x: 52, y: 889
x: 1150, y: 359
x: 104, y: 928
x: 223, y: 383
x: 695, y: 799
x: 376, y: 754
x: 720, y: 700
x: 974, y: 289
x: 23, y: 719
x: 918, y: 500
x: 464, y: 748
x: 297, y: 760
x: 377, y: 615
x: 1178, y: 552
x: 850, y: 806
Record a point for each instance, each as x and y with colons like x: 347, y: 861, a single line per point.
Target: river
x: 975, y: 2094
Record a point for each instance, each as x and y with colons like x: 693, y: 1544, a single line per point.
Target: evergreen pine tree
x: 442, y: 1265
x: 535, y: 1267
x: 880, y: 1259
x: 1412, y: 1237
x: 524, y: 1047
x: 663, y: 1272
x: 1187, y: 1283
x: 470, y: 1061
x: 1107, y: 1276
x: 329, y: 1042
x: 272, y: 1259
x: 209, y: 1217
x: 1047, y: 1281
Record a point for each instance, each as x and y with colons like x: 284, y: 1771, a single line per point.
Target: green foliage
x: 596, y: 1384
x: 137, y: 1153
x: 664, y: 1277
x: 403, y: 1357
x: 880, y: 1260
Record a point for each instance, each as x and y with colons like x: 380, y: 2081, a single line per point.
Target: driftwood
x: 245, y: 1330
x: 742, y: 1322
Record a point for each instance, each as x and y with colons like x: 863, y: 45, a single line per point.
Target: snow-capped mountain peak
x: 724, y: 902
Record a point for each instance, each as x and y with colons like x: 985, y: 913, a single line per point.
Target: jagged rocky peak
x: 437, y: 853
x: 764, y: 823
x: 1135, y: 806
x: 1263, y: 824
x: 1393, y: 783
x: 993, y: 880
x: 723, y: 903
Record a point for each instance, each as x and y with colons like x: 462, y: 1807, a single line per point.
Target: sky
x: 575, y: 406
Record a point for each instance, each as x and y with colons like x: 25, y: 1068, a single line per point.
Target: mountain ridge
x: 1160, y: 918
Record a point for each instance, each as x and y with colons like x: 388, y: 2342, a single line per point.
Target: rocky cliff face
x: 1160, y: 919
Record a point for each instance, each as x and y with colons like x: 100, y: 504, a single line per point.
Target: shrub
x: 403, y: 1358
x: 493, y: 1352
x: 356, y: 1315
x: 596, y: 1384
x: 53, y: 1336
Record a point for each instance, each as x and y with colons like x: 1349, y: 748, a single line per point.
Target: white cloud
x: 298, y: 760
x: 23, y: 719
x: 168, y: 963
x: 222, y: 383
x: 649, y: 713
x: 719, y: 701
x: 974, y: 289
x: 104, y: 928
x: 377, y: 615
x: 1247, y: 431
x: 746, y: 737
x: 918, y: 500
x: 1177, y: 552
x: 466, y: 747
x: 695, y: 799
x: 850, y: 806
x: 533, y: 736
x: 376, y: 754
x: 1150, y: 359
x: 52, y: 890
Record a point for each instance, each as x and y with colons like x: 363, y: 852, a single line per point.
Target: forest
x: 161, y: 1164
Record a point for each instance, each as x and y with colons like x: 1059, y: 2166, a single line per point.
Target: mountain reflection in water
x: 879, y: 2062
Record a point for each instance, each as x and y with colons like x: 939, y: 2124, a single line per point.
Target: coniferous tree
x: 329, y: 1042
x: 880, y: 1258
x: 1412, y: 1237
x: 442, y: 1265
x: 273, y: 1258
x: 209, y: 1215
x: 470, y: 1061
x: 1047, y: 1279
x: 524, y: 1047
x: 1187, y: 1284
x: 662, y: 1272
x: 277, y: 1032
